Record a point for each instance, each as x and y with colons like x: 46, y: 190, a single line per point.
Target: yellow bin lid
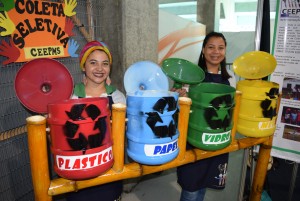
x: 254, y: 65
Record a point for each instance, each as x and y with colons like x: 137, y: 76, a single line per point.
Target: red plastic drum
x: 80, y: 137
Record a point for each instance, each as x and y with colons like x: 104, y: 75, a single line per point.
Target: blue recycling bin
x: 152, y: 134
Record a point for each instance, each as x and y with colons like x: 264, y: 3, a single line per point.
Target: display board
x: 286, y: 49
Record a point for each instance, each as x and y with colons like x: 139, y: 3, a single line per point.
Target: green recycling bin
x: 210, y: 122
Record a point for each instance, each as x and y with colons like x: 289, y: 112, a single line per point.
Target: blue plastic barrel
x: 152, y: 134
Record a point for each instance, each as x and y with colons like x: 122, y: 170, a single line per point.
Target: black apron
x: 105, y: 192
x: 209, y: 172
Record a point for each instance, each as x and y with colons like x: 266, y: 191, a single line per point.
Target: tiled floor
x: 152, y: 187
x: 164, y: 187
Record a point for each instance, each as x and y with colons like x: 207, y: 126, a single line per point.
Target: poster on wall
x: 180, y: 39
x: 286, y: 49
x: 36, y: 29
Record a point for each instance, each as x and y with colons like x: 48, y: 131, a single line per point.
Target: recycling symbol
x: 269, y: 112
x: 218, y: 118
x: 84, y: 141
x: 163, y: 104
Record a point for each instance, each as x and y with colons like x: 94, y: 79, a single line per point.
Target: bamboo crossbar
x: 132, y: 170
x: 44, y: 188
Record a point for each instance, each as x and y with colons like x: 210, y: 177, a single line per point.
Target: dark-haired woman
x: 195, y: 177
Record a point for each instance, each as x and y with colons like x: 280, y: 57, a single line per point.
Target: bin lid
x: 42, y: 81
x: 183, y: 71
x: 254, y: 65
x: 145, y: 75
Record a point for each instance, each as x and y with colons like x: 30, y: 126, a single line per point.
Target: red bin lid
x: 43, y: 81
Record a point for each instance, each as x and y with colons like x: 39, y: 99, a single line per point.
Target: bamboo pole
x: 262, y: 164
x: 118, y: 135
x: 90, y: 19
x: 82, y: 29
x: 37, y: 143
x: 183, y: 120
x: 261, y: 170
x: 237, y: 99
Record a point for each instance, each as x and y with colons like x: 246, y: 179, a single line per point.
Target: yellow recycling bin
x: 257, y: 116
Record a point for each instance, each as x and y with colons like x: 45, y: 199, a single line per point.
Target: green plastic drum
x: 211, y: 122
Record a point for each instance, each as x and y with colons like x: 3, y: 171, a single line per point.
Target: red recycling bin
x: 80, y: 137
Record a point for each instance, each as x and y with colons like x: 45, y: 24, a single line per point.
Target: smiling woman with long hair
x: 195, y: 177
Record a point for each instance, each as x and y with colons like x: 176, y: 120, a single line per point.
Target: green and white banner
x: 286, y: 50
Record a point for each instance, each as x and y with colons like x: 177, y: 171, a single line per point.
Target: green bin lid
x: 183, y: 71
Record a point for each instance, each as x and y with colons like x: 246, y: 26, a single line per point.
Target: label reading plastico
x: 161, y: 149
x: 84, y: 162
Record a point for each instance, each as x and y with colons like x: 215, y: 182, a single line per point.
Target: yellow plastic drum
x: 257, y: 115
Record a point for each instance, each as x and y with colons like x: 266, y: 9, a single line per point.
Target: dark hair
x: 202, y: 62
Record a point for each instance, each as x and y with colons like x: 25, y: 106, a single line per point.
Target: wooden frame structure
x: 45, y: 188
